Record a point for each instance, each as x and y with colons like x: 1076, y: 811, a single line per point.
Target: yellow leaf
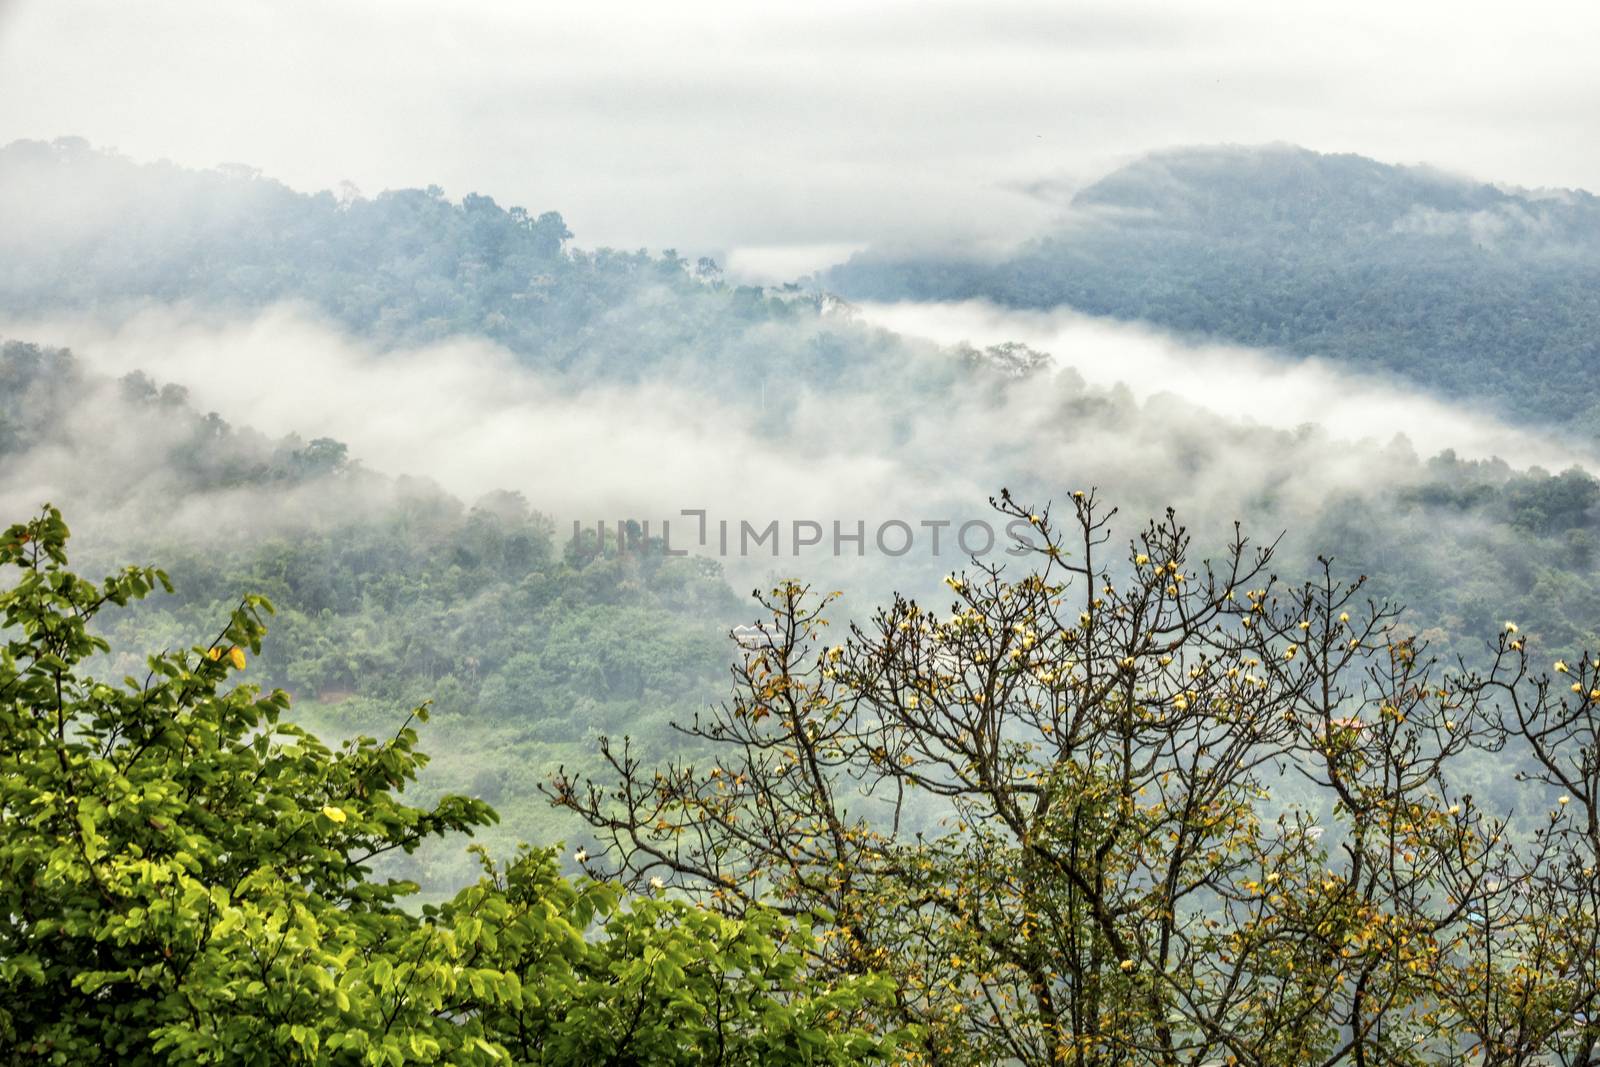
x: 334, y: 814
x: 236, y: 657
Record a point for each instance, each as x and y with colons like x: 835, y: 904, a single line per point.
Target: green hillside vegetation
x: 188, y: 879
x: 1120, y: 880
x: 1472, y: 291
x: 525, y: 656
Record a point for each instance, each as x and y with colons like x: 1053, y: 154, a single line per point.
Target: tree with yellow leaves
x: 1129, y: 808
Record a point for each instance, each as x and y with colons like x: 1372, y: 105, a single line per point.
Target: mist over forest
x: 1160, y: 628
x: 607, y: 386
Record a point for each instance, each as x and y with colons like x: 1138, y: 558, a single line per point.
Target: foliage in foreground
x: 186, y: 879
x: 1192, y: 816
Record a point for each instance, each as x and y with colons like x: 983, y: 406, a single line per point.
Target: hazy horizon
x: 777, y: 138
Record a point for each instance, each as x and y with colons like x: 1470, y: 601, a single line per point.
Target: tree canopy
x: 1130, y: 807
x: 189, y: 879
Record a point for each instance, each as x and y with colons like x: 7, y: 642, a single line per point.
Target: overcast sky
x: 812, y: 127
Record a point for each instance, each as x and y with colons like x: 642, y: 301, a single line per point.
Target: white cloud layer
x: 1237, y: 383
x: 1221, y: 433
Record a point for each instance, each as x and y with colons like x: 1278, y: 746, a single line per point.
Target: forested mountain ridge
x: 1338, y: 196
x: 1479, y: 293
x: 390, y: 589
x: 84, y: 230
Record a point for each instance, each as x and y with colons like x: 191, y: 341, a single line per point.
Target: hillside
x: 89, y: 231
x: 1473, y: 292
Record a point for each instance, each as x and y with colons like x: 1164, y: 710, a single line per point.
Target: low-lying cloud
x: 1237, y: 384
x: 1219, y: 432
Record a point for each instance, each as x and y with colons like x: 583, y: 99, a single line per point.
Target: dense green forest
x: 866, y: 842
x: 1472, y: 291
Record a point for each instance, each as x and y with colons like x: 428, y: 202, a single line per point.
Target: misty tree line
x: 404, y: 267
x: 1468, y: 290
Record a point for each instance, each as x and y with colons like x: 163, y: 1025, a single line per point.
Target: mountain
x: 84, y: 230
x: 1473, y: 291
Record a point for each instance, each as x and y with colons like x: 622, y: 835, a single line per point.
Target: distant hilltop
x: 1293, y: 186
x: 1478, y: 292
